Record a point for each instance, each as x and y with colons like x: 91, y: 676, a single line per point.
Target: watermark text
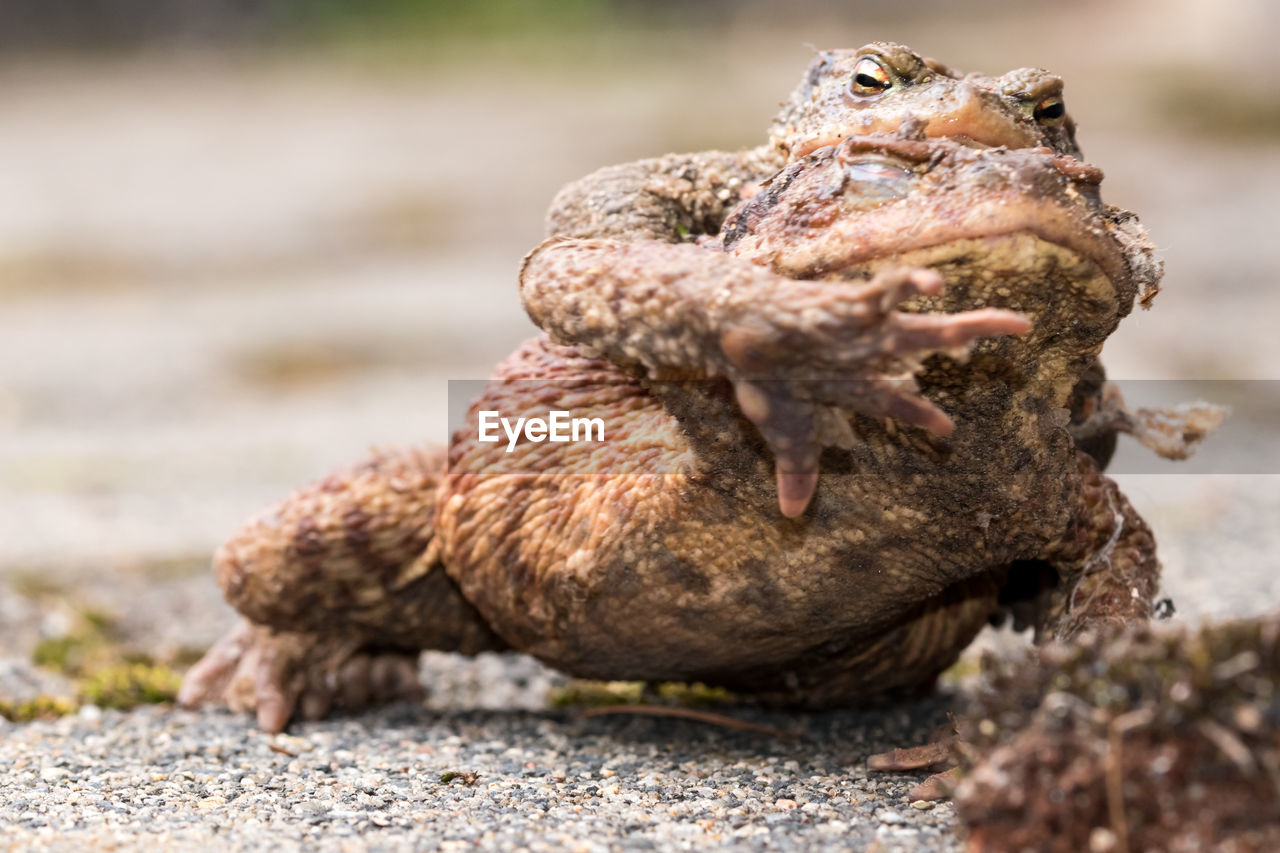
x: 558, y: 426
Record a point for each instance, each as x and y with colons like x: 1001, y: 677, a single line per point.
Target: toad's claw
x: 795, y: 490
x: 790, y: 428
x: 939, y: 786
x: 277, y: 674
x: 939, y: 753
x: 934, y: 754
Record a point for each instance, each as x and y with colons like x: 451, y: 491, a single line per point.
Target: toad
x: 823, y: 472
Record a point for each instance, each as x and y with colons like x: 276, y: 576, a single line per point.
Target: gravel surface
x: 521, y: 779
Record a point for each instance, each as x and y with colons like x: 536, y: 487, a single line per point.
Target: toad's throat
x: 996, y: 262
x: 1017, y: 271
x: 845, y: 246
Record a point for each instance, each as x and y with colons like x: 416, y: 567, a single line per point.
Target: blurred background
x: 241, y: 241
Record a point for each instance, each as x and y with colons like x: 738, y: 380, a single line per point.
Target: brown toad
x: 755, y: 520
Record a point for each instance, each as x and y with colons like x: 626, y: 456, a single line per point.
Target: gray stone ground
x: 222, y: 277
x: 544, y: 781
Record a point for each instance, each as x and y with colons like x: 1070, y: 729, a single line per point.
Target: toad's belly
x: 668, y: 577
x: 670, y: 563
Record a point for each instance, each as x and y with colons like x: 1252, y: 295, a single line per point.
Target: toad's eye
x: 1050, y: 111
x: 869, y: 77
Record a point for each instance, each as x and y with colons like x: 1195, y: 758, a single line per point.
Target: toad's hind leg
x: 340, y: 588
x: 1106, y: 561
x: 1101, y: 576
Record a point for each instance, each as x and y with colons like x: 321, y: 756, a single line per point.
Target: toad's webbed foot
x: 1173, y: 432
x: 851, y: 352
x: 279, y: 673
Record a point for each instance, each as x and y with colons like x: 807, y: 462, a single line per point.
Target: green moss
x: 105, y: 672
x: 61, y: 654
x: 99, y: 622
x: 91, y: 642
x: 42, y: 707
x: 133, y: 681
x: 35, y: 584
x: 596, y: 693
x: 965, y: 668
x: 580, y: 692
x: 691, y: 695
x: 130, y: 684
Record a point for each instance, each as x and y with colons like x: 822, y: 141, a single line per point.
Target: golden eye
x: 1050, y: 111
x: 869, y: 77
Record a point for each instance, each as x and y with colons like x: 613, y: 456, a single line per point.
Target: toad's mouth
x: 909, y: 154
x: 978, y: 196
x: 1015, y: 271
x: 972, y: 126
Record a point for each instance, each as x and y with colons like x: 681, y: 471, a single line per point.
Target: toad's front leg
x: 793, y: 349
x: 667, y: 198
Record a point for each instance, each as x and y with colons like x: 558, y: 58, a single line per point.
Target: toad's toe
x: 939, y: 755
x: 276, y: 674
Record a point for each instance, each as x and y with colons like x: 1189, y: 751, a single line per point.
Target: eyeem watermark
x: 558, y: 426
x: 1247, y: 443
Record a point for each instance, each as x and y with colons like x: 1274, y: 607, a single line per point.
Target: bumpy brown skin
x: 1161, y: 740
x: 686, y: 568
x: 679, y: 563
x: 674, y: 197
